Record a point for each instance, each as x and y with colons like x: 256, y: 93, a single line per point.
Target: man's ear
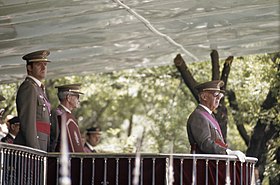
x: 29, y: 67
x: 67, y: 97
x: 12, y: 126
x: 203, y: 96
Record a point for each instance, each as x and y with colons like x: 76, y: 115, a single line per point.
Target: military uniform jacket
x: 8, y: 139
x: 33, y: 110
x: 75, y: 143
x: 88, y: 148
x: 204, y: 132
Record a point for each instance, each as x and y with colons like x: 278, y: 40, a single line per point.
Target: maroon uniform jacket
x: 33, y: 110
x: 88, y: 149
x: 204, y: 133
x: 72, y: 130
x: 8, y: 139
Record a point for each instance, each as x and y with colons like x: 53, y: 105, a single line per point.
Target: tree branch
x: 186, y: 75
x: 215, y: 65
x: 237, y: 118
x: 221, y: 114
x: 226, y: 70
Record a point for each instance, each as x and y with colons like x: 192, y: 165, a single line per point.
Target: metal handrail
x: 25, y: 165
x: 158, y: 155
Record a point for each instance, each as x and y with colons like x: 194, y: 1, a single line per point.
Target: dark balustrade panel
x: 22, y: 165
x: 117, y: 171
x: 215, y: 174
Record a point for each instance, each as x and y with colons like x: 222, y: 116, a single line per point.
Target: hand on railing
x: 240, y: 155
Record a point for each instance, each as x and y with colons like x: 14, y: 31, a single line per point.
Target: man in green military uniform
x: 204, y: 132
x: 68, y: 96
x: 33, y: 106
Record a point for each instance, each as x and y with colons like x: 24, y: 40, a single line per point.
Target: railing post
x: 234, y: 173
x: 117, y: 171
x: 241, y: 173
x: 227, y: 172
x: 2, y: 165
x: 45, y: 171
x: 105, y: 172
x: 247, y: 174
x: 182, y: 171
x: 81, y: 171
x: 153, y: 172
x: 129, y: 171
x: 206, y: 172
x: 217, y: 172
x: 253, y: 180
x: 93, y: 171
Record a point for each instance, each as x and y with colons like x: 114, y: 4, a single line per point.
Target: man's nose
x: 44, y: 65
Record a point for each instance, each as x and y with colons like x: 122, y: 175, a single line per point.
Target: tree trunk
x: 186, y: 75
x: 215, y: 65
x: 130, y: 125
x: 222, y: 113
x: 237, y: 118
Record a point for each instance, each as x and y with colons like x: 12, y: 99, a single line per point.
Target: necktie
x: 43, y: 88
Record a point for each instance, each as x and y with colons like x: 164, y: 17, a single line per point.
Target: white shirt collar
x: 206, y: 108
x: 38, y: 82
x: 90, y: 146
x: 13, y: 136
x: 65, y: 108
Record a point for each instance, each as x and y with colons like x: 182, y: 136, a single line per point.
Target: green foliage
x: 272, y: 169
x: 9, y: 92
x: 250, y: 79
x: 143, y: 100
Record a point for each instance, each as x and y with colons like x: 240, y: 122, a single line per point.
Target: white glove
x: 240, y: 155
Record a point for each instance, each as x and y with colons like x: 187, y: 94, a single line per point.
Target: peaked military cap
x: 14, y: 120
x: 214, y: 85
x: 73, y: 88
x: 2, y: 98
x: 93, y: 130
x: 37, y: 56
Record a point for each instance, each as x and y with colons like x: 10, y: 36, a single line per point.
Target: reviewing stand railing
x: 23, y: 165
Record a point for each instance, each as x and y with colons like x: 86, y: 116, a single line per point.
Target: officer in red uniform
x: 93, y: 137
x: 13, y: 126
x: 33, y: 106
x: 68, y: 96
